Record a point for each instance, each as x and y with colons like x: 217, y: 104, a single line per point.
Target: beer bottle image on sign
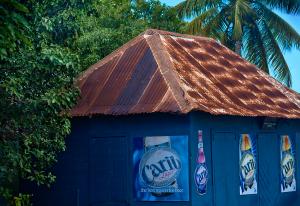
x: 247, y: 166
x: 201, y: 174
x: 160, y: 165
x: 288, y: 182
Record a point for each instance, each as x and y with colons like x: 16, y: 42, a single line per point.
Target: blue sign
x: 161, y: 168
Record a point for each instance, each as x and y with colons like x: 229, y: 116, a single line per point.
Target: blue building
x: 172, y: 119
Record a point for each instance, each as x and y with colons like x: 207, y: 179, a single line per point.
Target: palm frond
x: 288, y: 6
x: 226, y: 37
x: 274, y: 54
x: 195, y: 26
x: 216, y: 26
x: 237, y: 28
x: 254, y: 47
x: 241, y: 9
x: 191, y: 8
x: 284, y: 33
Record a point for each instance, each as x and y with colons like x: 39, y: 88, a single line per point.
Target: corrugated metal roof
x: 160, y: 71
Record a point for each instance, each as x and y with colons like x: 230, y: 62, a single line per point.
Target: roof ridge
x: 169, y: 33
x: 166, y: 69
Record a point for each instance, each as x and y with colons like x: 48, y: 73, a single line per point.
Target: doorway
x: 225, y: 168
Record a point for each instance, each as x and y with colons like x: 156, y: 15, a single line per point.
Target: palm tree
x: 249, y: 27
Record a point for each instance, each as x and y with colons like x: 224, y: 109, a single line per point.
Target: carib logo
x: 159, y: 167
x: 287, y: 162
x: 247, y: 163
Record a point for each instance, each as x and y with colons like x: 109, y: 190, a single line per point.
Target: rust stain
x: 161, y: 71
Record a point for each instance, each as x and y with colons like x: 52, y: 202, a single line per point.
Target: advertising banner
x: 201, y: 172
x: 248, y: 165
x: 287, y: 163
x: 161, y: 168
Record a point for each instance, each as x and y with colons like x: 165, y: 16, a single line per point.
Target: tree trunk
x: 238, y: 47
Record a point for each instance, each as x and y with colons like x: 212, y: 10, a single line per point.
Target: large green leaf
x: 275, y: 56
x: 284, y: 33
x: 289, y: 6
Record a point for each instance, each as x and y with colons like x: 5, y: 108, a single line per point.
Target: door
x: 108, y: 171
x: 269, y: 169
x: 225, y: 169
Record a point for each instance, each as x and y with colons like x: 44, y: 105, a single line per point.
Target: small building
x: 172, y: 119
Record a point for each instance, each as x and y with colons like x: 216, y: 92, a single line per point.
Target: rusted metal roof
x: 160, y: 71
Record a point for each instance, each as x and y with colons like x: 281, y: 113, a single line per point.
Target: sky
x: 292, y: 57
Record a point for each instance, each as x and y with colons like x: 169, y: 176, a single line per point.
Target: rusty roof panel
x: 162, y: 71
x: 139, y: 80
x: 92, y: 85
x: 121, y: 74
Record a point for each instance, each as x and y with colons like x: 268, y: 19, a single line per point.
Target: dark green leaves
x: 13, y: 26
x: 288, y: 6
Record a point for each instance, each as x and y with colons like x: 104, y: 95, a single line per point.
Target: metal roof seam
x: 164, y: 63
x: 138, y: 101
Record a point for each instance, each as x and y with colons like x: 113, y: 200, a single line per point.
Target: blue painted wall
x: 96, y: 143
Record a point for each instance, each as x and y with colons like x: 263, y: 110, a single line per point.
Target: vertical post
x: 77, y: 197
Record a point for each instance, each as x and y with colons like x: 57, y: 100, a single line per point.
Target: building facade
x: 171, y: 119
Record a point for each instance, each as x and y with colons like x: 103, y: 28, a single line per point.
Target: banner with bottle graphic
x: 201, y: 172
x: 248, y: 164
x: 160, y: 165
x: 287, y: 163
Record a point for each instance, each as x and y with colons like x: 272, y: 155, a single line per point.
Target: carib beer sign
x: 287, y: 154
x: 160, y: 168
x: 248, y: 166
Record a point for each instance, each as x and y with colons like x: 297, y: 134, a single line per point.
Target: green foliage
x: 22, y: 200
x: 19, y: 200
x: 250, y: 28
x: 36, y: 93
x: 111, y: 23
x: 45, y: 44
x: 108, y: 26
x: 13, y: 26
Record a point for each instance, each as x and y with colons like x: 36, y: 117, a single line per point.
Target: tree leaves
x: 14, y: 27
x: 197, y: 24
x: 254, y: 48
x: 288, y: 6
x: 275, y: 56
x: 191, y: 8
x: 114, y: 23
x: 284, y: 33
